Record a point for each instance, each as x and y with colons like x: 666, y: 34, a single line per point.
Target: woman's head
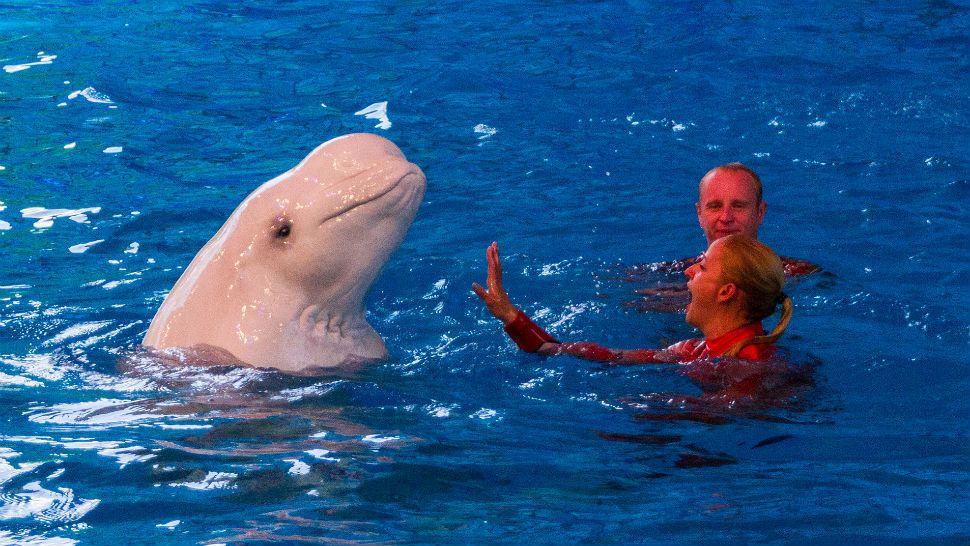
x: 739, y: 280
x: 757, y: 272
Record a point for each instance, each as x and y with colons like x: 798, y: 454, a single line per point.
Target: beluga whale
x: 282, y: 283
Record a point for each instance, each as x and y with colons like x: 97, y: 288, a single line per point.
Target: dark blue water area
x: 572, y: 133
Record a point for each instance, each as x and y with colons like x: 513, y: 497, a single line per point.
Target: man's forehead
x: 733, y: 185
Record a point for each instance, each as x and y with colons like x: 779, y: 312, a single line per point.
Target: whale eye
x: 283, y: 230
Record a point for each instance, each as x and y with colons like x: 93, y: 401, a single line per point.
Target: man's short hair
x: 738, y: 167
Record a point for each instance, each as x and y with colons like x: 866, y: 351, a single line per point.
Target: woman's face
x: 704, y: 283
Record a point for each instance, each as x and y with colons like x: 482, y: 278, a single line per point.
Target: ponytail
x: 786, y: 312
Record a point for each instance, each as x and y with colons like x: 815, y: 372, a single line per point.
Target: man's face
x: 729, y: 204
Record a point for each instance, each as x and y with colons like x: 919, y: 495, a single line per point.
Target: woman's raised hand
x: 495, y: 298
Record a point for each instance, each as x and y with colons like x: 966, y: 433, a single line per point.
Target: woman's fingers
x: 477, y: 288
x: 494, y: 269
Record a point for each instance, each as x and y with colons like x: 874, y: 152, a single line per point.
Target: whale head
x: 283, y: 282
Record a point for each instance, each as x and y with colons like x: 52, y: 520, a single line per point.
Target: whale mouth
x: 410, y: 178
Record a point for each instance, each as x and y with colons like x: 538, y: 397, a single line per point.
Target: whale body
x: 282, y: 283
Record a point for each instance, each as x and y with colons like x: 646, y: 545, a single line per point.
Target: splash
x: 83, y: 247
x: 18, y: 381
x: 102, y: 413
x: 45, y: 217
x: 377, y: 111
x: 35, y: 502
x: 212, y: 480
x: 4, y: 226
x: 91, y: 95
x: 37, y: 365
x: 42, y: 59
x: 484, y: 131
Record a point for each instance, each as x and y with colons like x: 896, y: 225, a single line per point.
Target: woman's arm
x: 530, y: 337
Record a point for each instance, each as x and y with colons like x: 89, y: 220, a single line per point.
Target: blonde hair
x: 759, y: 274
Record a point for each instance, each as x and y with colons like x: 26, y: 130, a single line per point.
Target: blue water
x: 574, y: 134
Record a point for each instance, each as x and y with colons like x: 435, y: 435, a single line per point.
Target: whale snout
x: 396, y: 193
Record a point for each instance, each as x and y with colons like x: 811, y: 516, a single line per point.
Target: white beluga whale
x: 282, y: 283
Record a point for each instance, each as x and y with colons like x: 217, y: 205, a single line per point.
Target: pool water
x: 572, y: 133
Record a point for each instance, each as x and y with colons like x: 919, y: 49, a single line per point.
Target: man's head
x: 730, y: 202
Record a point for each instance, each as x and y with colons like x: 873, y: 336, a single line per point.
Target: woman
x: 736, y: 285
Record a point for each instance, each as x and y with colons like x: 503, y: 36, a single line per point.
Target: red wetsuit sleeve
x: 599, y: 353
x: 530, y: 338
x: 527, y: 334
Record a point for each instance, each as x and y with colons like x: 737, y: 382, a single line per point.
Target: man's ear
x: 727, y: 292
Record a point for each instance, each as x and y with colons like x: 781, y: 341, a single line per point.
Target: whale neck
x: 321, y: 321
x: 335, y: 335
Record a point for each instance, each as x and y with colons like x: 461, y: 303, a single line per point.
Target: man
x: 729, y: 201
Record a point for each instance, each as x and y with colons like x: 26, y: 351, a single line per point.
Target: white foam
x: 322, y: 454
x: 114, y: 150
x: 299, y: 467
x: 484, y: 414
x: 437, y: 289
x: 484, y: 131
x: 573, y: 312
x: 170, y: 525
x: 79, y: 330
x: 70, y: 146
x: 93, y: 95
x: 122, y: 384
x: 127, y: 454
x: 115, y: 284
x: 132, y: 249
x: 292, y: 395
x: 166, y: 426
x: 97, y: 412
x: 378, y: 440
x: 83, y: 247
x: 9, y: 471
x: 18, y: 381
x: 23, y: 539
x: 45, y: 217
x: 37, y: 365
x: 440, y: 411
x: 212, y: 480
x: 35, y: 502
x: 377, y: 111
x: 42, y: 60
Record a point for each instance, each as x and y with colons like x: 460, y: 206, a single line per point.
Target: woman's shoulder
x: 757, y: 351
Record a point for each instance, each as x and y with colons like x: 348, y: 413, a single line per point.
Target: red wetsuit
x: 755, y: 376
x: 530, y: 338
